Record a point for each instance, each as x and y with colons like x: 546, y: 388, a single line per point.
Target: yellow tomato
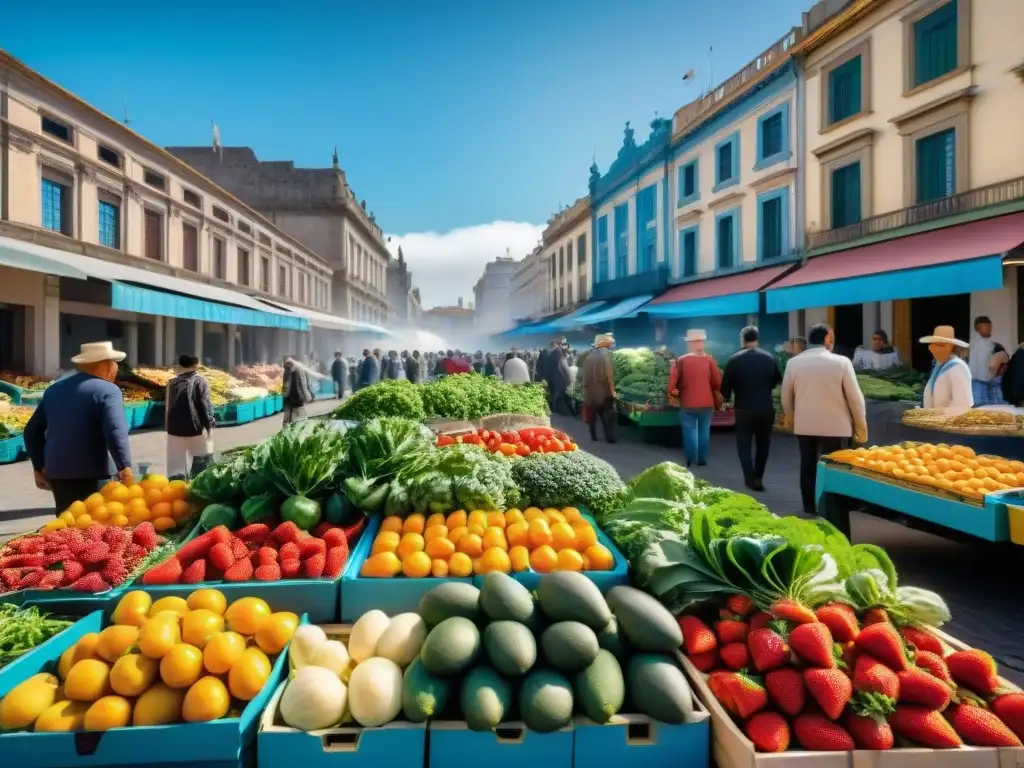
x: 496, y: 520
x: 456, y: 519
x: 381, y: 565
x: 436, y: 532
x: 153, y: 497
x: 210, y: 599
x: 414, y: 523
x: 222, y: 651
x: 116, y: 640
x: 391, y: 523
x: 273, y: 634
x: 160, y: 705
x: 435, y: 519
x: 554, y: 516
x: 513, y: 516
x: 108, y: 712
x: 84, y: 521
x: 460, y: 564
x: 77, y: 508
x: 120, y: 521
x: 562, y: 536
x: 438, y: 568
x: 457, y: 533
x: 494, y: 537
x: 518, y: 534
x: 478, y: 517
x: 93, y: 501
x: 417, y: 565
x: 180, y: 508
x: 198, y: 626
x: 249, y: 674
x: 471, y: 545
x: 170, y: 603
x: 133, y: 674
x: 114, y: 508
x: 386, y: 541
x: 532, y: 513
x: 245, y: 614
x: 164, y: 524
x: 440, y: 549
x: 207, y: 700
x: 572, y: 515
x: 410, y: 544
x: 181, y: 666
x: 494, y: 559
x: 543, y: 559
x: 163, y: 509
x: 539, y: 533
x: 519, y: 557
x: 586, y: 536
x: 569, y: 560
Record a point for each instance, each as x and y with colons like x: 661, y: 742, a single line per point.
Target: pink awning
x: 750, y: 281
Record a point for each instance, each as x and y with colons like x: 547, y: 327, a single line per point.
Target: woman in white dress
x: 949, y: 386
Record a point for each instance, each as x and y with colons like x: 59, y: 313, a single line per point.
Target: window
x: 846, y: 195
x: 773, y: 137
x: 727, y: 162
x: 581, y: 250
x: 56, y: 206
x: 264, y: 239
x: 243, y: 266
x: 561, y: 262
x: 220, y: 213
x: 153, y: 234
x: 282, y: 280
x: 935, y: 156
x: 726, y: 240
x: 109, y: 156
x: 154, y: 179
x: 935, y: 40
x: 192, y: 198
x: 244, y: 228
x: 190, y: 247
x: 688, y: 252
x: 646, y: 228
x: 58, y: 129
x: 773, y: 224
x: 302, y: 288
x: 688, y: 191
x: 265, y: 274
x: 622, y: 240
x: 561, y: 297
x: 581, y: 288
x: 844, y: 90
x: 219, y: 267
x: 552, y: 261
x: 110, y: 224
x: 602, y: 249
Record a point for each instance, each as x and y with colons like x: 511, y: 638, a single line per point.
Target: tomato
x: 522, y: 449
x: 443, y: 440
x: 543, y: 431
x: 570, y: 446
x: 507, y: 449
x: 555, y: 446
x: 562, y: 436
x: 494, y: 444
x: 509, y: 437
x: 459, y: 440
x: 472, y: 439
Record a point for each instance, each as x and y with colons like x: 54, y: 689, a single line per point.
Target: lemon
x: 181, y: 666
x: 85, y: 648
x: 116, y: 641
x: 133, y: 674
x: 249, y: 674
x: 160, y: 705
x: 171, y: 603
x: 222, y: 652
x: 108, y: 712
x: 199, y: 626
x: 206, y: 700
x: 274, y: 632
x: 133, y: 608
x: 210, y: 599
x: 63, y: 717
x: 244, y: 615
x: 28, y: 700
x: 159, y: 634
x: 88, y: 680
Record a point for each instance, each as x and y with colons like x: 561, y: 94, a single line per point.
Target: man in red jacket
x: 696, y: 382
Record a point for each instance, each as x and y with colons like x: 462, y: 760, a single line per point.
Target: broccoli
x: 575, y: 478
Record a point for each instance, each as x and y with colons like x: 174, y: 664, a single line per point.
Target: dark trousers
x: 812, y: 448
x: 561, y: 403
x: 754, y: 429
x: 606, y: 415
x: 339, y: 388
x: 65, y: 492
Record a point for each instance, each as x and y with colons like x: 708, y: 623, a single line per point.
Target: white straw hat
x: 97, y: 351
x: 944, y: 334
x: 696, y: 334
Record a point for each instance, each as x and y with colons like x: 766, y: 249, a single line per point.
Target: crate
x: 640, y: 740
x: 278, y: 403
x: 216, y: 744
x: 259, y: 408
x: 16, y: 669
x: 450, y: 744
x: 21, y: 396
x: 393, y: 596
x: 66, y: 602
x: 12, y: 449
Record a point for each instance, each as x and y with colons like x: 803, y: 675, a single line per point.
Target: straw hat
x: 604, y: 339
x: 696, y: 334
x: 944, y: 334
x: 97, y: 351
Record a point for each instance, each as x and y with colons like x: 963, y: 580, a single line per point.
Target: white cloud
x: 447, y: 265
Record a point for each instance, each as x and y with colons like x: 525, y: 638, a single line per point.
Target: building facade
x: 402, y: 296
x: 318, y: 207
x: 491, y: 295
x: 104, y: 235
x: 455, y: 325
x: 529, y: 289
x: 566, y: 246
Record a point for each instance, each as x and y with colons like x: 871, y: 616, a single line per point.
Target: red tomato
x: 561, y: 436
x: 522, y: 449
x: 444, y: 440
x: 494, y: 444
x: 509, y: 437
x: 473, y: 440
x: 555, y: 446
x: 570, y: 446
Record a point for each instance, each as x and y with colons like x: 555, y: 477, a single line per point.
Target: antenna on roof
x: 127, y: 121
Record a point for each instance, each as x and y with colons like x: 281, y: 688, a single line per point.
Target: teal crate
x: 260, y: 408
x: 12, y: 449
x: 605, y: 580
x: 21, y: 396
x: 393, y: 596
x: 642, y: 741
x: 16, y: 670
x: 398, y: 744
x: 511, y: 745
x: 65, y: 601
x: 216, y: 744
x: 278, y: 403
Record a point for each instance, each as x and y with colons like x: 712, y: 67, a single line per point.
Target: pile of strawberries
x: 90, y: 560
x: 836, y: 683
x: 256, y: 552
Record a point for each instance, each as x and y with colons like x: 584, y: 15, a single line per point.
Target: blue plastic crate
x: 605, y: 580
x: 259, y: 408
x: 217, y: 744
x: 66, y: 602
x: 393, y: 596
x: 278, y: 403
x: 641, y: 741
x: 510, y: 745
x: 12, y: 449
x: 395, y: 744
x: 245, y: 411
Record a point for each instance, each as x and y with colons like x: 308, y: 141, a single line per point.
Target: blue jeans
x: 987, y: 392
x: 696, y: 425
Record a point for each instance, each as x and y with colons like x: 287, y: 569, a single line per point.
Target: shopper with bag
x: 599, y: 388
x: 696, y: 381
x: 189, y: 420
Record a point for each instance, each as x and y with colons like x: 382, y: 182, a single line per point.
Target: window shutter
x: 689, y: 254
x: 190, y: 247
x: 724, y: 162
x: 935, y: 44
x: 153, y: 235
x: 936, y: 166
x: 771, y: 229
x: 846, y: 200
x: 725, y: 242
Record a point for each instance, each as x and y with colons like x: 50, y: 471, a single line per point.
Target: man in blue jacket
x: 77, y: 439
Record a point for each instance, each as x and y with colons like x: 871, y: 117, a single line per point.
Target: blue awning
x: 135, y: 298
x: 617, y: 311
x: 574, y: 319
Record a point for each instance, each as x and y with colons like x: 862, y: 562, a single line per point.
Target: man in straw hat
x: 599, y: 387
x: 949, y: 386
x: 79, y: 427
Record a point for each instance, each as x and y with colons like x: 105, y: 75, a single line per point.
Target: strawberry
x: 195, y: 572
x: 925, y: 726
x: 267, y: 556
x: 201, y: 545
x: 767, y: 649
x: 290, y: 568
x: 286, y: 532
x: 740, y: 694
x: 289, y: 551
x: 255, y: 533
x: 740, y: 605
x: 760, y: 620
x: 114, y: 571
x: 73, y: 571
x: 117, y: 538
x: 869, y: 732
x: 933, y: 664
x: 335, y: 561
x: 309, y: 547
x: 812, y: 643
x: 872, y: 676
x: 29, y: 561
x: 323, y: 527
x: 841, y: 621
x: 817, y: 733
x: 334, y: 537
x: 51, y: 579
x: 1010, y: 709
x: 31, y: 545
x: 831, y: 688
x: 734, y: 655
x: 32, y: 579
x: 975, y: 670
x: 239, y: 549
x: 884, y: 643
x: 9, y: 578
x: 920, y: 687
x: 791, y: 610
x: 731, y: 631
x: 240, y: 571
x: 145, y: 534
x: 875, y: 616
x: 697, y: 637
x: 91, y: 582
x: 849, y: 654
x: 221, y: 557
x: 769, y: 732
x: 922, y: 640
x: 95, y: 532
x: 980, y: 728
x: 313, y: 567
x: 354, y: 531
x: 786, y: 687
x: 167, y: 572
x: 268, y: 572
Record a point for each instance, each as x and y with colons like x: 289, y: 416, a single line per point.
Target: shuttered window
x: 581, y: 250
x: 622, y: 240
x: 243, y: 266
x: 844, y: 90
x: 154, y: 235
x: 936, y: 166
x: 771, y: 228
x: 689, y: 185
x: 688, y: 252
x: 110, y: 224
x: 935, y: 44
x: 725, y: 169
x: 219, y: 262
x: 190, y: 247
x: 726, y: 243
x: 846, y: 195
x: 771, y: 136
x: 602, y: 249
x: 55, y: 206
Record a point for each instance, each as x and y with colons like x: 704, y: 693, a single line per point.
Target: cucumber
x: 452, y: 646
x: 658, y: 688
x: 569, y: 645
x: 571, y: 596
x: 485, y: 699
x: 644, y: 621
x: 600, y: 688
x: 545, y: 701
x: 503, y: 598
x: 448, y: 600
x: 510, y: 647
x: 423, y: 695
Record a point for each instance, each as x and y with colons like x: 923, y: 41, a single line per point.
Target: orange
x: 436, y: 532
x: 476, y: 529
x: 496, y: 520
x: 84, y: 521
x: 494, y: 559
x: 163, y: 509
x: 136, y: 492
x: 519, y: 557
x: 554, y: 516
x: 532, y: 513
x: 414, y: 523
x: 153, y: 497
x: 93, y: 501
x: 460, y: 564
x: 456, y: 519
x: 440, y: 548
x: 539, y: 533
x: 119, y: 520
x: 494, y: 537
x: 392, y: 523
x: 600, y: 557
x: 471, y: 545
x: 543, y: 559
x: 569, y: 560
x: 386, y: 541
x: 410, y: 544
x: 436, y: 519
x: 562, y: 536
x: 517, y: 535
x: 478, y: 517
x: 417, y: 565
x: 438, y: 568
x: 572, y: 515
x: 77, y: 508
x: 381, y: 565
x: 457, y: 533
x: 586, y: 536
x: 115, y: 508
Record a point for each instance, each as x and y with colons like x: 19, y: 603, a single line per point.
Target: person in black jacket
x: 189, y: 420
x: 339, y: 374
x: 412, y: 366
x: 750, y: 376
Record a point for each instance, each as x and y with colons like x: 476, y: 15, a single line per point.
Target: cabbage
x: 663, y: 481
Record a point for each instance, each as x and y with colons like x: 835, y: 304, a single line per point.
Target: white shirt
x: 949, y: 387
x: 821, y: 395
x: 516, y: 371
x: 867, y: 359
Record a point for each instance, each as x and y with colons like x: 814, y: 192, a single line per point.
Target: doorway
x: 931, y: 311
x: 849, y: 329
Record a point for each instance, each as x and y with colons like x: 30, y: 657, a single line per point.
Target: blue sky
x: 462, y: 123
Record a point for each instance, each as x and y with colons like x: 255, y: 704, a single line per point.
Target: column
x: 170, y: 326
x: 197, y: 327
x: 132, y: 342
x: 47, y: 331
x: 885, y: 317
x: 231, y: 334
x: 796, y: 323
x: 871, y: 318
x: 158, y: 339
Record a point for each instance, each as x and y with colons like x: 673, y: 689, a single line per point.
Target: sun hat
x: 97, y: 351
x: 944, y: 334
x: 603, y: 339
x: 696, y: 334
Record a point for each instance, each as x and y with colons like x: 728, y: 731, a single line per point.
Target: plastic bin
x: 511, y: 745
x: 639, y: 740
x: 12, y: 449
x: 1015, y: 516
x: 14, y: 670
x: 605, y: 580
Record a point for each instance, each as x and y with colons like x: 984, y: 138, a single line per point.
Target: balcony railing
x: 925, y: 213
x: 652, y: 281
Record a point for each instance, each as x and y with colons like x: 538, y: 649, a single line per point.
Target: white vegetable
x: 306, y: 638
x: 402, y: 639
x: 315, y: 698
x: 375, y: 692
x: 330, y: 655
x: 362, y: 643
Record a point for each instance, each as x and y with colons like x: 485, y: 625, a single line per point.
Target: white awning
x: 330, y: 322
